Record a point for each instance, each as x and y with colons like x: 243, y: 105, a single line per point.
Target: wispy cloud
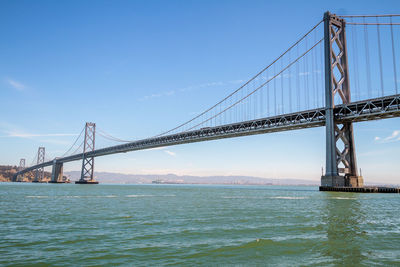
x: 156, y: 148
x: 170, y: 153
x: 395, y: 136
x: 157, y: 95
x: 55, y: 142
x: 16, y: 85
x: 31, y: 135
x: 189, y: 88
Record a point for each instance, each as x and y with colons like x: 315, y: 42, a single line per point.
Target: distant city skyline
x: 139, y: 68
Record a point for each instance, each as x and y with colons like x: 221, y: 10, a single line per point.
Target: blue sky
x: 137, y: 68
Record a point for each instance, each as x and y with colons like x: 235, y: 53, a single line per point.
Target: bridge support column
x: 341, y: 162
x: 39, y: 175
x: 57, y: 172
x: 87, y: 160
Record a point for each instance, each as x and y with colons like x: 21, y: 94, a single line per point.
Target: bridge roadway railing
x: 372, y: 109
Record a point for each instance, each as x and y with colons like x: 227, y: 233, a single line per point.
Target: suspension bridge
x: 307, y: 86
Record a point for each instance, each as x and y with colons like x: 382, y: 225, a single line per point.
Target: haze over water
x: 191, y: 224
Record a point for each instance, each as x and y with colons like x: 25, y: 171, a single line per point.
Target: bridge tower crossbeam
x: 341, y: 162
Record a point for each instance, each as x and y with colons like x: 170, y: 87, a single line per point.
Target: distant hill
x: 119, y: 178
x: 7, y: 172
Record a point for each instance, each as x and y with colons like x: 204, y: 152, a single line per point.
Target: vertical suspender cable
x: 305, y: 78
x: 253, y: 103
x: 315, y: 98
x: 290, y: 85
x: 276, y: 113
x: 298, y: 80
x: 259, y: 111
x: 282, y: 75
x: 247, y: 102
x: 380, y: 56
x: 241, y: 106
x: 355, y: 62
x: 367, y: 65
x: 305, y: 82
x: 394, y: 56
x: 267, y: 94
x: 315, y: 66
x: 321, y: 61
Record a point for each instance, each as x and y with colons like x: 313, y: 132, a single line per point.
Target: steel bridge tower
x: 39, y: 175
x: 20, y: 168
x: 341, y: 162
x: 88, y: 161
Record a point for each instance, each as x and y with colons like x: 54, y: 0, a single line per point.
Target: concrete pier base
x: 86, y: 182
x: 342, y: 181
x: 354, y: 181
x: 368, y: 189
x: 57, y: 172
x: 328, y: 180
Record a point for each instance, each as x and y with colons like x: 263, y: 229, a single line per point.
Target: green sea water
x: 153, y: 225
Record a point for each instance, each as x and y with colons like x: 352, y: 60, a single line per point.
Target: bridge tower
x: 39, y: 175
x: 87, y: 161
x: 341, y: 162
x: 21, y: 165
x: 20, y: 168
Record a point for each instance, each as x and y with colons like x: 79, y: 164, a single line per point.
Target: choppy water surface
x: 195, y: 225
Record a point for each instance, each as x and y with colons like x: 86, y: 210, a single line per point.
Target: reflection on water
x: 343, y: 216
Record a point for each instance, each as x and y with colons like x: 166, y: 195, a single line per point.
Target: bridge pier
x: 341, y: 162
x: 57, y: 172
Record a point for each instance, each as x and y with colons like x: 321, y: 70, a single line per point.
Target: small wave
x: 240, y: 197
x: 108, y: 196
x: 37, y: 196
x: 150, y: 196
x: 343, y: 198
x: 279, y: 197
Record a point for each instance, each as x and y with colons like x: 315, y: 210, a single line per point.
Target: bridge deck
x: 372, y: 109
